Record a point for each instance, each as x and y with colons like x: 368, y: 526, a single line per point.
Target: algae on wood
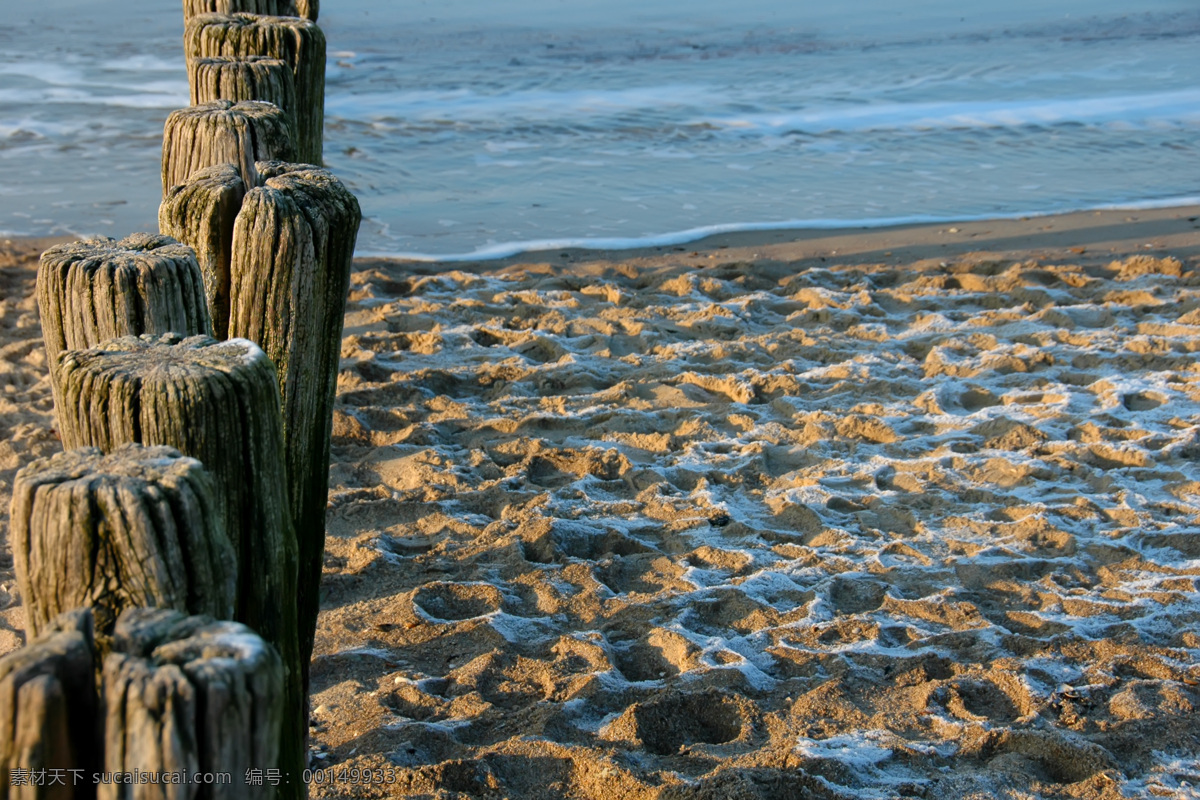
x: 223, y: 132
x: 294, y: 40
x: 137, y: 527
x: 200, y: 213
x: 293, y: 247
x: 100, y: 288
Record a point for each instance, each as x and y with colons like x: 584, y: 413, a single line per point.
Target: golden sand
x: 872, y: 514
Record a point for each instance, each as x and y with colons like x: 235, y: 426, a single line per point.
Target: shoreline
x: 1100, y: 233
x: 795, y: 228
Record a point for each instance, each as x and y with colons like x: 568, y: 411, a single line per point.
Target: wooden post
x: 294, y: 40
x: 138, y: 527
x: 48, y: 712
x: 223, y: 132
x: 177, y: 695
x: 283, y: 8
x: 248, y: 78
x: 218, y: 402
x: 293, y: 247
x: 200, y: 213
x: 309, y: 9
x: 100, y: 288
x: 186, y: 694
x: 192, y: 8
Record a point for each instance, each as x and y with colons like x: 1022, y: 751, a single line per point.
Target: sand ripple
x: 747, y: 531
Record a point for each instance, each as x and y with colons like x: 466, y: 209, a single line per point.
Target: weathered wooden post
x: 138, y: 527
x: 100, y: 288
x: 270, y: 7
x: 218, y: 402
x: 186, y: 694
x: 294, y: 40
x: 177, y: 695
x: 248, y: 78
x: 283, y: 8
x: 309, y: 9
x: 48, y: 712
x: 200, y: 213
x: 223, y: 132
x: 293, y: 248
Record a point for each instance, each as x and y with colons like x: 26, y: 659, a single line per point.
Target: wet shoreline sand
x: 754, y: 518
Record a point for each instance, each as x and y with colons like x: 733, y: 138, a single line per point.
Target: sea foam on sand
x: 716, y: 528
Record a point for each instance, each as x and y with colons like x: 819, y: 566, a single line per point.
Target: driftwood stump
x: 200, y: 213
x: 48, y: 713
x: 186, y: 694
x: 294, y: 40
x: 218, y: 402
x: 293, y: 246
x: 248, y: 78
x: 282, y: 8
x: 99, y: 289
x: 138, y: 527
x: 223, y: 132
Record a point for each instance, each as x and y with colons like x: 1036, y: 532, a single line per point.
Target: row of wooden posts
x: 169, y: 559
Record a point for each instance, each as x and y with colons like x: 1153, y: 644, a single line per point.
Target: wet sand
x: 909, y: 512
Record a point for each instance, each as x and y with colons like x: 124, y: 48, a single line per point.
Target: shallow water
x: 465, y: 129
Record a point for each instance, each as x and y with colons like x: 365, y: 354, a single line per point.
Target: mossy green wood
x: 217, y: 402
x: 200, y: 213
x: 137, y: 527
x: 293, y: 246
x: 294, y: 40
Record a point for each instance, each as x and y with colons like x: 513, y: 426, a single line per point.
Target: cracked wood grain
x: 217, y: 402
x: 293, y: 246
x: 200, y: 213
x: 245, y: 78
x: 137, y: 527
x: 100, y: 288
x: 223, y: 132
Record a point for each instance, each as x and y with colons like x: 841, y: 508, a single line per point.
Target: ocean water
x: 469, y: 128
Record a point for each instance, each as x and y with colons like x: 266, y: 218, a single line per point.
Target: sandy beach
x: 905, y: 512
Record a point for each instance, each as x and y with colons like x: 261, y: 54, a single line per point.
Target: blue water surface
x: 473, y: 127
